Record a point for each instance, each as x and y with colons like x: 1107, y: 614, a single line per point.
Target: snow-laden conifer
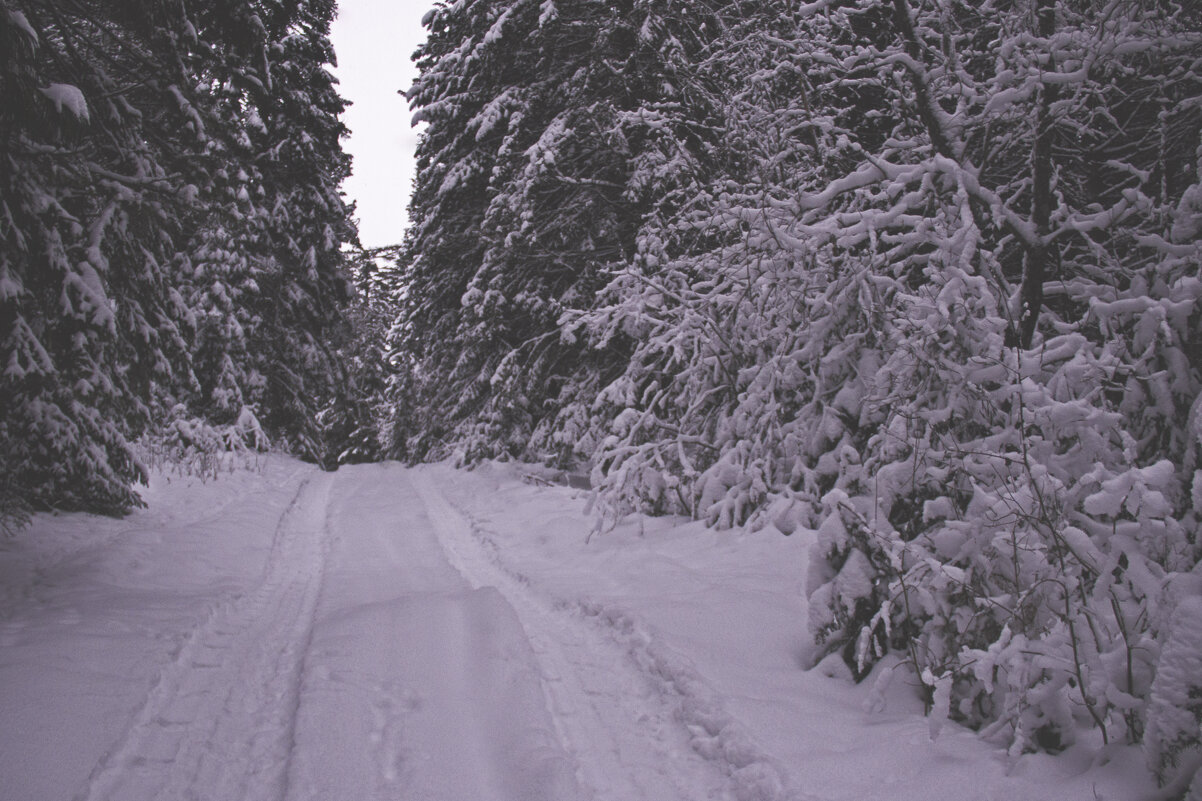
x: 921, y: 276
x: 171, y: 230
x: 530, y: 189
x: 943, y: 315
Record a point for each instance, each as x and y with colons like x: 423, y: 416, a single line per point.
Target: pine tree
x: 153, y: 252
x: 529, y: 190
x: 297, y: 224
x: 90, y: 215
x: 353, y: 417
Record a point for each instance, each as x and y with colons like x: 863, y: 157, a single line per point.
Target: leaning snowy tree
x: 1002, y: 503
x: 741, y: 323
x: 949, y: 319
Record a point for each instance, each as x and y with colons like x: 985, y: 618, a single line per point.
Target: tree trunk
x: 1042, y: 258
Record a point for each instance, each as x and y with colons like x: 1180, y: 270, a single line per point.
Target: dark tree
x: 171, y: 230
x: 533, y: 181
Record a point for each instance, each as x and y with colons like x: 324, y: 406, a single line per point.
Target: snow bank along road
x: 386, y: 633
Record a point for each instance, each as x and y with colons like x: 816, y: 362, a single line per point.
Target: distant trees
x: 170, y: 230
x: 356, y: 411
x: 922, y: 276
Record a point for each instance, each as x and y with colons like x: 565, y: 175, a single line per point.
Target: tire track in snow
x: 416, y: 686
x: 620, y: 722
x: 713, y: 733
x: 218, y: 723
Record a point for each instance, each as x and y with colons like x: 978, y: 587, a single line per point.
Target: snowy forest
x: 922, y: 276
x: 172, y: 259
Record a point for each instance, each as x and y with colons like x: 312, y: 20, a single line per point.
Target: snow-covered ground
x: 431, y: 634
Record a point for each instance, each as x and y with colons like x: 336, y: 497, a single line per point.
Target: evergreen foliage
x: 528, y: 192
x: 170, y: 231
x: 920, y: 276
x: 352, y: 421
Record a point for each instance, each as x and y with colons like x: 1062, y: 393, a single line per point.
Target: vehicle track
x: 219, y: 721
x: 616, y: 722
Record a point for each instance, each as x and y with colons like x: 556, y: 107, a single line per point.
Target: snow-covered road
x: 357, y: 664
x: 426, y: 634
x: 623, y: 736
x: 220, y: 719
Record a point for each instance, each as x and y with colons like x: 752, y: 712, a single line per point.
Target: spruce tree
x: 528, y: 192
x: 91, y: 214
x: 171, y: 220
x: 296, y: 224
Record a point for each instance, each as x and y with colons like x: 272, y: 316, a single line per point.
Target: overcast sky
x: 373, y: 40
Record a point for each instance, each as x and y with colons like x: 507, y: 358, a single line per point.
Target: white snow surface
x: 391, y: 633
x: 67, y: 96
